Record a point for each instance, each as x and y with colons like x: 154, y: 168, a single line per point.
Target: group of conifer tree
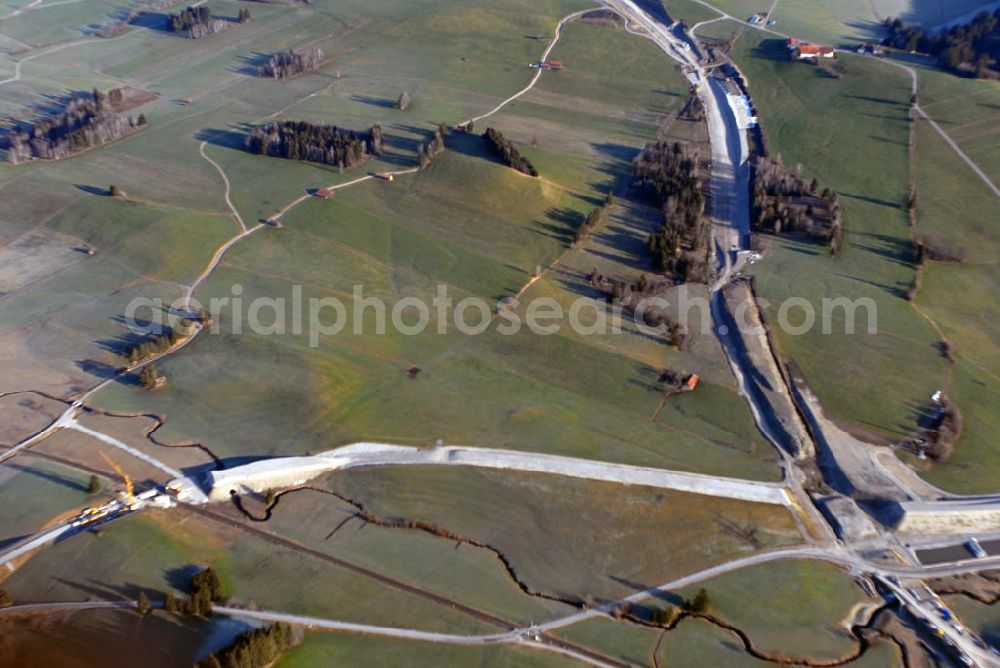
x: 315, y: 142
x: 84, y: 122
x: 669, y: 173
x: 971, y: 49
x: 198, y: 22
x: 291, y: 63
x: 504, y: 149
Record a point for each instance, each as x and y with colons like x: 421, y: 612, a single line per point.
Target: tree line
x: 504, y: 149
x: 256, y: 648
x: 198, y: 22
x: 291, y: 63
x: 593, y: 219
x: 785, y: 202
x: 153, y: 345
x: 668, y: 173
x: 84, y: 122
x: 631, y: 296
x: 426, y: 154
x: 315, y: 142
x: 972, y: 49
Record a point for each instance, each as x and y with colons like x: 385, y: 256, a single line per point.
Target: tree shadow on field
x: 878, y: 100
x: 922, y: 414
x: 886, y: 140
x: 6, y: 542
x: 413, y: 135
x: 62, y: 481
x: 380, y: 102
x: 869, y: 30
x: 137, y: 330
x: 471, y: 144
x: 665, y: 596
x: 771, y: 49
x: 101, y: 370
x: 92, y: 190
x: 873, y: 200
x: 893, y: 290
x: 94, y: 589
x: 229, y: 138
x: 560, y: 224
x: 249, y: 65
x: 180, y: 577
x: 158, y: 21
x: 617, y: 165
x: 892, y: 248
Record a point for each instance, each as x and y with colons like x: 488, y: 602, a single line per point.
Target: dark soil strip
x: 394, y: 583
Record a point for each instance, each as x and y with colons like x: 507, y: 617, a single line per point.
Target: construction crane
x: 128, y: 480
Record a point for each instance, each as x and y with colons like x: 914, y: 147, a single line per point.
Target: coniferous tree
x: 148, y: 376
x: 508, y: 154
x: 83, y: 122
x: 142, y: 604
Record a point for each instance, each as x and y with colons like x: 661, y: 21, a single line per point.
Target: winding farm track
x: 225, y: 180
x: 225, y: 247
x: 524, y: 635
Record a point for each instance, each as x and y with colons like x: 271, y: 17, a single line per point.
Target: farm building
x: 324, y: 193
x: 804, y: 51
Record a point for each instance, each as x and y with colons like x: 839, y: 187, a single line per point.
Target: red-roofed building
x: 804, y: 51
x: 324, y: 193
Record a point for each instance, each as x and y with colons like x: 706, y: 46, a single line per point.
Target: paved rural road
x: 33, y: 543
x: 922, y: 609
x: 839, y: 557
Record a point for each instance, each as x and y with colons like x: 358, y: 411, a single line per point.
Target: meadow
x: 467, y: 223
x: 959, y: 299
x: 34, y: 492
x: 840, y: 22
x: 634, y: 537
x: 854, y: 142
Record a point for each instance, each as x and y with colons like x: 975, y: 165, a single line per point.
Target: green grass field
x: 838, y: 22
x: 855, y: 142
x: 112, y: 638
x: 797, y: 608
x: 959, y: 298
x: 471, y: 575
x: 34, y: 492
x: 157, y: 552
x: 965, y: 109
x: 320, y: 650
x: 637, y: 537
x: 481, y: 230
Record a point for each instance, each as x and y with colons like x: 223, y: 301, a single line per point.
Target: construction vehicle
x: 129, y: 491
